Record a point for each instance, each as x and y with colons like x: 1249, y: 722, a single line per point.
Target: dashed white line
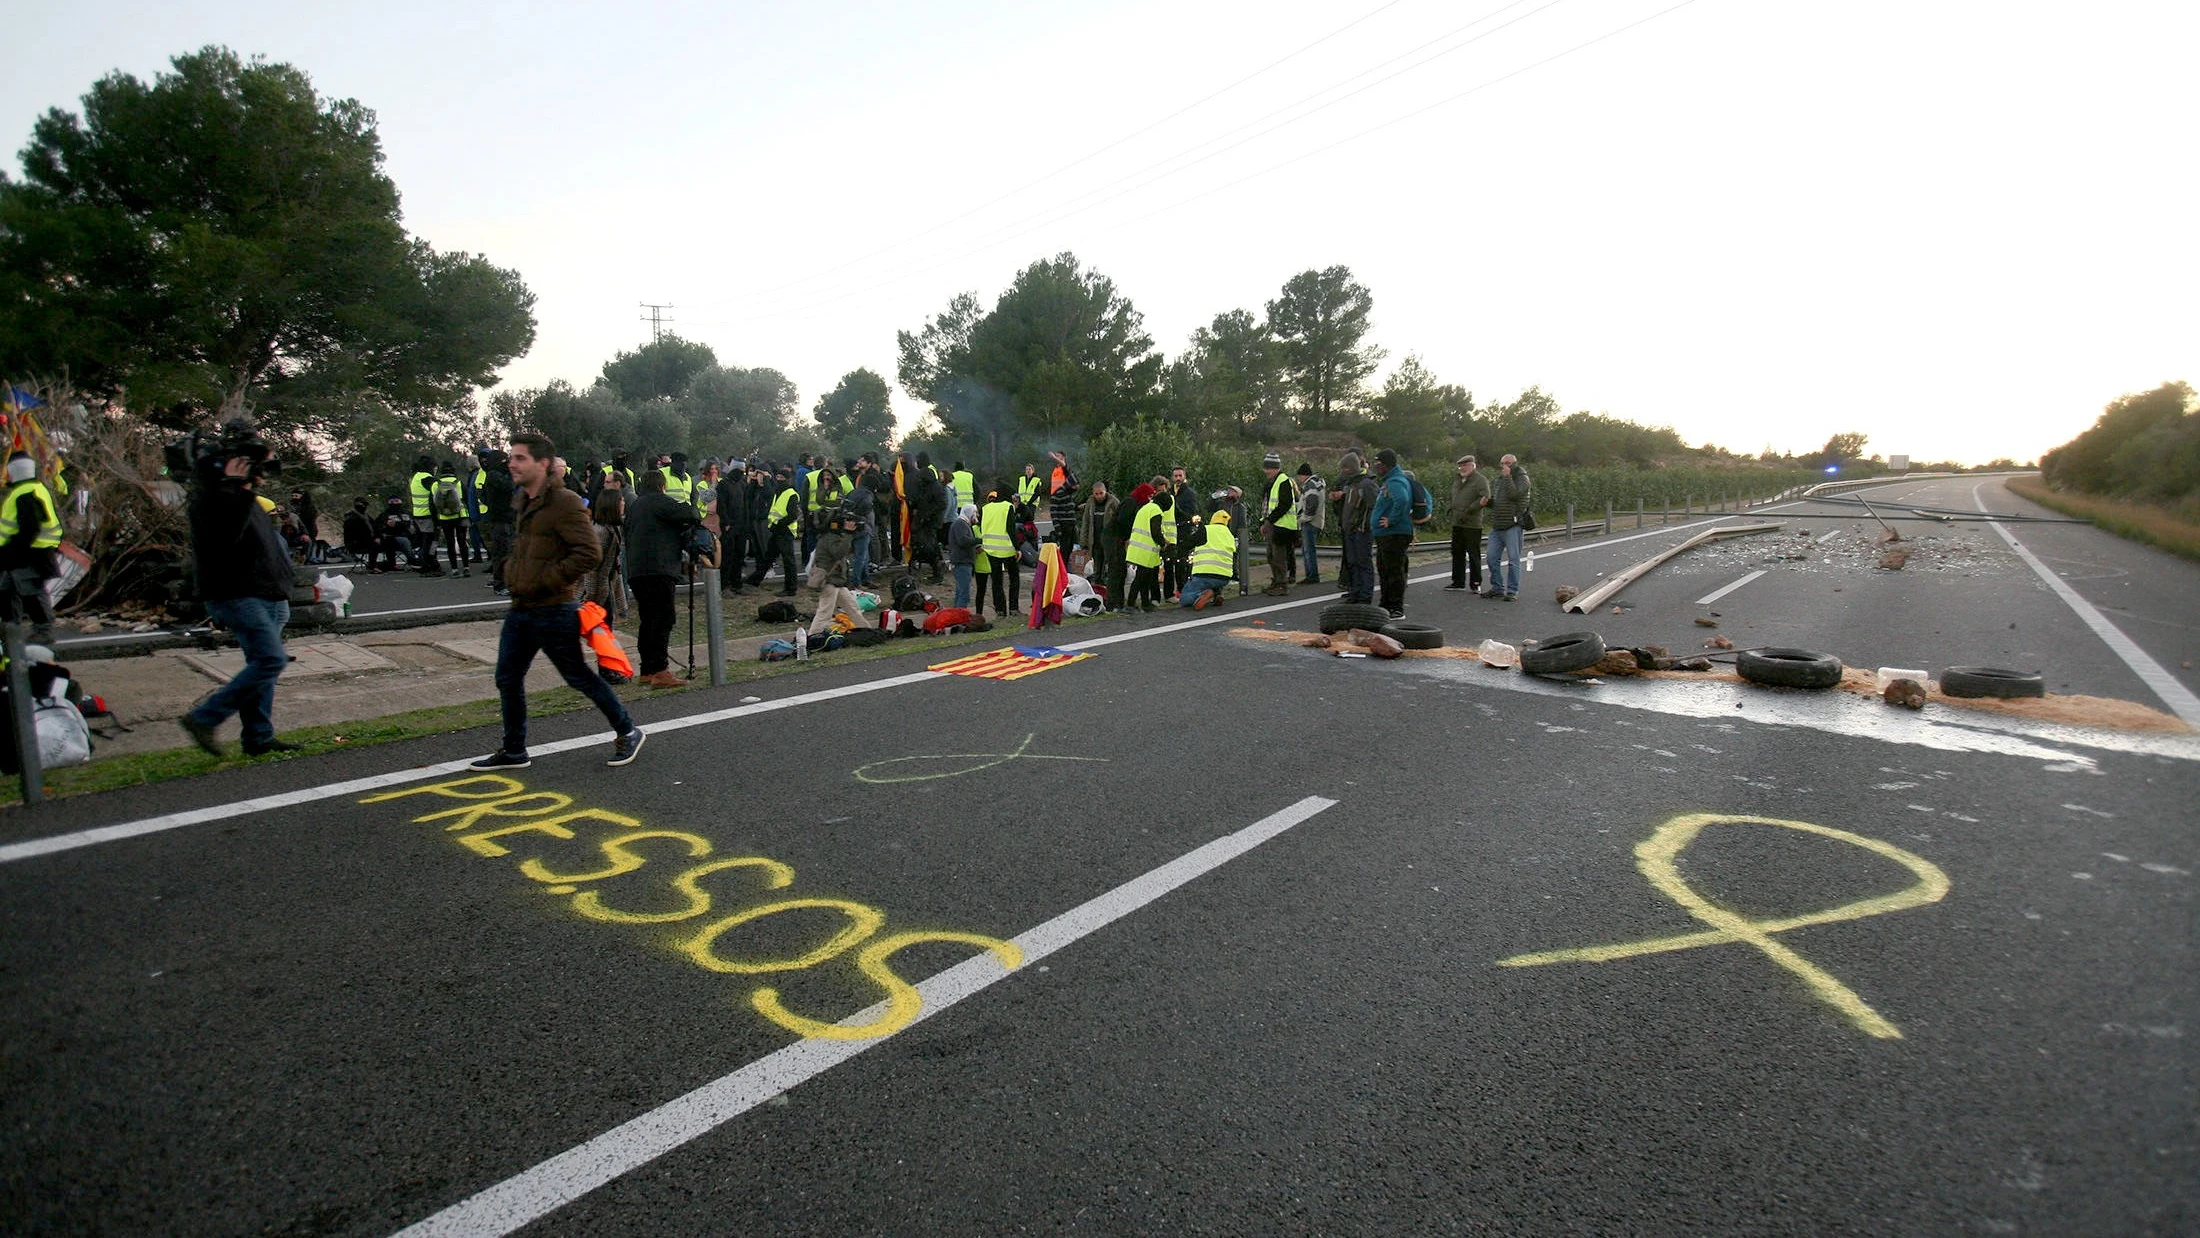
x: 536, y: 1193
x: 1713, y: 596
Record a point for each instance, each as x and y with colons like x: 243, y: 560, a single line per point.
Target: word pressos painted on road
x: 1655, y: 856
x: 877, y: 771
x: 493, y: 809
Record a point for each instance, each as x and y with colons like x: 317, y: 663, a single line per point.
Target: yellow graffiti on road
x: 1655, y: 857
x: 977, y: 761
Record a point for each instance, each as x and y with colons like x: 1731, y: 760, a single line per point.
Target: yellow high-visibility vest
x: 783, y: 508
x: 1217, y: 556
x: 423, y: 495
x: 966, y: 488
x: 11, y: 515
x: 993, y: 530
x: 678, y: 488
x: 1142, y: 550
x: 481, y: 486
x: 1276, y: 494
x: 1027, y: 489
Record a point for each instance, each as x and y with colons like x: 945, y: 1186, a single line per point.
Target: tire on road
x: 1991, y: 681
x: 315, y: 615
x: 1414, y: 635
x: 1789, y: 668
x: 1345, y: 616
x: 1559, y: 655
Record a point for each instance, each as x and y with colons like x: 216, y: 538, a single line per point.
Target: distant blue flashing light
x: 1832, y: 469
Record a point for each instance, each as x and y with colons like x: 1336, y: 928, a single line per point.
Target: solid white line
x: 535, y: 1193
x: 2177, y: 696
x: 1713, y: 596
x: 291, y: 799
x: 1828, y: 536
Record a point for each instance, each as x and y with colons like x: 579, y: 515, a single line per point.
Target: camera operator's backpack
x: 449, y: 503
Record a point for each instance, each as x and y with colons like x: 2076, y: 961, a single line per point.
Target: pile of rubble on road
x: 1962, y: 552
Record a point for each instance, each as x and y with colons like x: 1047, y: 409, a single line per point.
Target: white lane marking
x: 1713, y: 596
x: 308, y: 795
x: 535, y: 1193
x: 429, y: 610
x: 2177, y: 696
x: 1828, y: 536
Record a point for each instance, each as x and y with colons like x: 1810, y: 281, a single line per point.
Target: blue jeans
x: 554, y: 631
x: 1359, y: 566
x: 962, y: 584
x: 258, y: 625
x: 859, y: 574
x: 1202, y: 584
x: 1504, y: 560
x: 1313, y: 557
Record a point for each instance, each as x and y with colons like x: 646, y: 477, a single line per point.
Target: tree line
x: 2144, y: 447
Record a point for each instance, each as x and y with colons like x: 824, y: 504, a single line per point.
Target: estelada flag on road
x: 1014, y: 662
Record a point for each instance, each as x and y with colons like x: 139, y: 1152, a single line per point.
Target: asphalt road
x: 333, y: 1016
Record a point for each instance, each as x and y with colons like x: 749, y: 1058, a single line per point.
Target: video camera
x: 238, y: 437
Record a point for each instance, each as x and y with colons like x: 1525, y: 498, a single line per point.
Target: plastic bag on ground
x: 1497, y: 653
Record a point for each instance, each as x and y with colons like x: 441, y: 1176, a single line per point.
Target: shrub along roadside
x: 2138, y: 522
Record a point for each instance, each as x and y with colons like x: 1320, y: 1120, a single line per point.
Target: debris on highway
x: 1908, y: 693
x: 1582, y: 603
x: 1893, y: 560
x: 1566, y: 593
x: 1703, y: 622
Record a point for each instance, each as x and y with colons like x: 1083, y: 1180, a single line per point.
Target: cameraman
x: 244, y: 579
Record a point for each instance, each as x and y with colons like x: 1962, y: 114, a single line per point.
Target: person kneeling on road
x: 1214, y: 562
x: 553, y: 547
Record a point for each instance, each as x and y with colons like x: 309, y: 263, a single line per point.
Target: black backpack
x: 777, y: 612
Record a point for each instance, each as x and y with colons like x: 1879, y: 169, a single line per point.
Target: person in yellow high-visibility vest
x: 30, y: 532
x: 1280, y: 522
x: 1150, y: 531
x: 1214, y: 562
x: 962, y: 488
x: 999, y: 547
x: 1029, y: 487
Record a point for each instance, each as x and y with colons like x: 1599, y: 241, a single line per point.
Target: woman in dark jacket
x: 655, y: 528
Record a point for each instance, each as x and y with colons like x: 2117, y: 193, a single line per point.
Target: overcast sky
x: 1958, y: 227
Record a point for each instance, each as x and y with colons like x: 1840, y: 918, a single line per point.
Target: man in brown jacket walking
x: 553, y: 548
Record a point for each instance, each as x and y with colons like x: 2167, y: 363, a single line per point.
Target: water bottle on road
x: 1528, y: 564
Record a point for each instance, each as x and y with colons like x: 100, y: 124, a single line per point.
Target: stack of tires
x: 1345, y: 616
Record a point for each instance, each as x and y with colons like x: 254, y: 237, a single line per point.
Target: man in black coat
x: 244, y: 579
x: 656, y: 528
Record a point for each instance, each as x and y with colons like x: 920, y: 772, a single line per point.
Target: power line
x: 1050, y: 221
x: 1077, y: 162
x: 656, y: 320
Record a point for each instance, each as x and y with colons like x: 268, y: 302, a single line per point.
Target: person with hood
x: 783, y: 524
x: 656, y: 527
x: 962, y: 551
x: 1118, y: 538
x: 927, y: 512
x: 679, y: 483
x: 420, y: 489
x: 731, y: 507
x: 392, y: 535
x: 1150, y: 531
x: 1095, y: 518
x: 496, y: 514
x: 30, y: 536
x: 359, y: 534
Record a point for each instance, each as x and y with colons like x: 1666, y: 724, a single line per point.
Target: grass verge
x: 2138, y: 522
x: 141, y: 768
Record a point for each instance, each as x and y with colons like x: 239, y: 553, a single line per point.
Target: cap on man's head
x: 21, y: 467
x: 1305, y: 469
x: 1465, y: 459
x: 1271, y: 461
x: 1387, y: 456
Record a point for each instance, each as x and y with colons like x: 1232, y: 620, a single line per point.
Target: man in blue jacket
x: 1392, y: 524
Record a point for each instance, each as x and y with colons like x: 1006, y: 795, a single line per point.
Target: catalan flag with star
x: 1014, y: 662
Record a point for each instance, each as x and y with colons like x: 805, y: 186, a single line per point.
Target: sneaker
x: 1455, y: 588
x: 273, y: 745
x: 624, y: 747
x: 1312, y: 580
x: 500, y: 759
x: 202, y: 735
x: 1398, y: 612
x: 1512, y: 597
x: 1204, y: 600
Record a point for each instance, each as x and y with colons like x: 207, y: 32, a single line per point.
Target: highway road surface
x: 1201, y: 934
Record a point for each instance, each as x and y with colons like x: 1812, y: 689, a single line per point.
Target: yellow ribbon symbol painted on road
x: 974, y: 761
x: 1655, y: 856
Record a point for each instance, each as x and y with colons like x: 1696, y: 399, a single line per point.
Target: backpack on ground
x: 775, y: 651
x: 777, y: 612
x: 449, y: 503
